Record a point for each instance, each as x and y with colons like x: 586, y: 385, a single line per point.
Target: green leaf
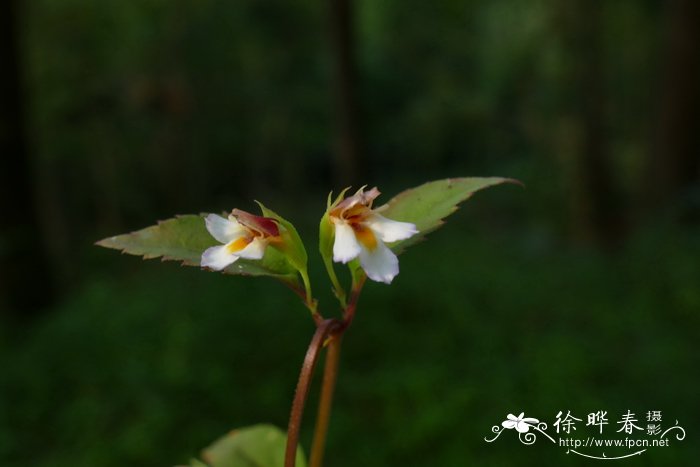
x: 255, y: 446
x: 427, y: 205
x: 197, y: 463
x: 184, y: 239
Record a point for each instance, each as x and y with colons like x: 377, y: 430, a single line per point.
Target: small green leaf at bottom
x: 255, y: 446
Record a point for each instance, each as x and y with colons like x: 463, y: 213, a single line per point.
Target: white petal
x: 346, y: 247
x: 389, y: 230
x: 217, y: 258
x: 522, y: 427
x: 380, y: 264
x: 223, y: 230
x: 509, y: 424
x: 254, y: 250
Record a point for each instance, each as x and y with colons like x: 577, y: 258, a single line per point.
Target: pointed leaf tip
x: 429, y: 204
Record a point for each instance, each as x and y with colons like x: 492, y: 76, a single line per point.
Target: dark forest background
x: 579, y: 293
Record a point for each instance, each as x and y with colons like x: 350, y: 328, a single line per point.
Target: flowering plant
x: 351, y: 232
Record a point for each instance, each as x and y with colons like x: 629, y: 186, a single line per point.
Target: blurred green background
x: 578, y: 293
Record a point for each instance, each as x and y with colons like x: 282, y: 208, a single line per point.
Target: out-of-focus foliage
x: 148, y: 369
x: 227, y: 100
x: 210, y: 97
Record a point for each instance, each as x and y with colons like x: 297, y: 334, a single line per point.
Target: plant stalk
x: 307, y: 369
x: 338, y: 290
x: 328, y: 331
x: 330, y: 374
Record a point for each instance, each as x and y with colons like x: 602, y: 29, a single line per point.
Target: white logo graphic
x: 653, y: 435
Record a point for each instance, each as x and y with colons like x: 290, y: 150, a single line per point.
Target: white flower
x: 243, y: 235
x: 522, y: 425
x: 362, y: 232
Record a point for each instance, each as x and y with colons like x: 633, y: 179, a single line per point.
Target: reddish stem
x: 332, y: 329
x: 302, y: 391
x: 349, y: 312
x: 330, y: 373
